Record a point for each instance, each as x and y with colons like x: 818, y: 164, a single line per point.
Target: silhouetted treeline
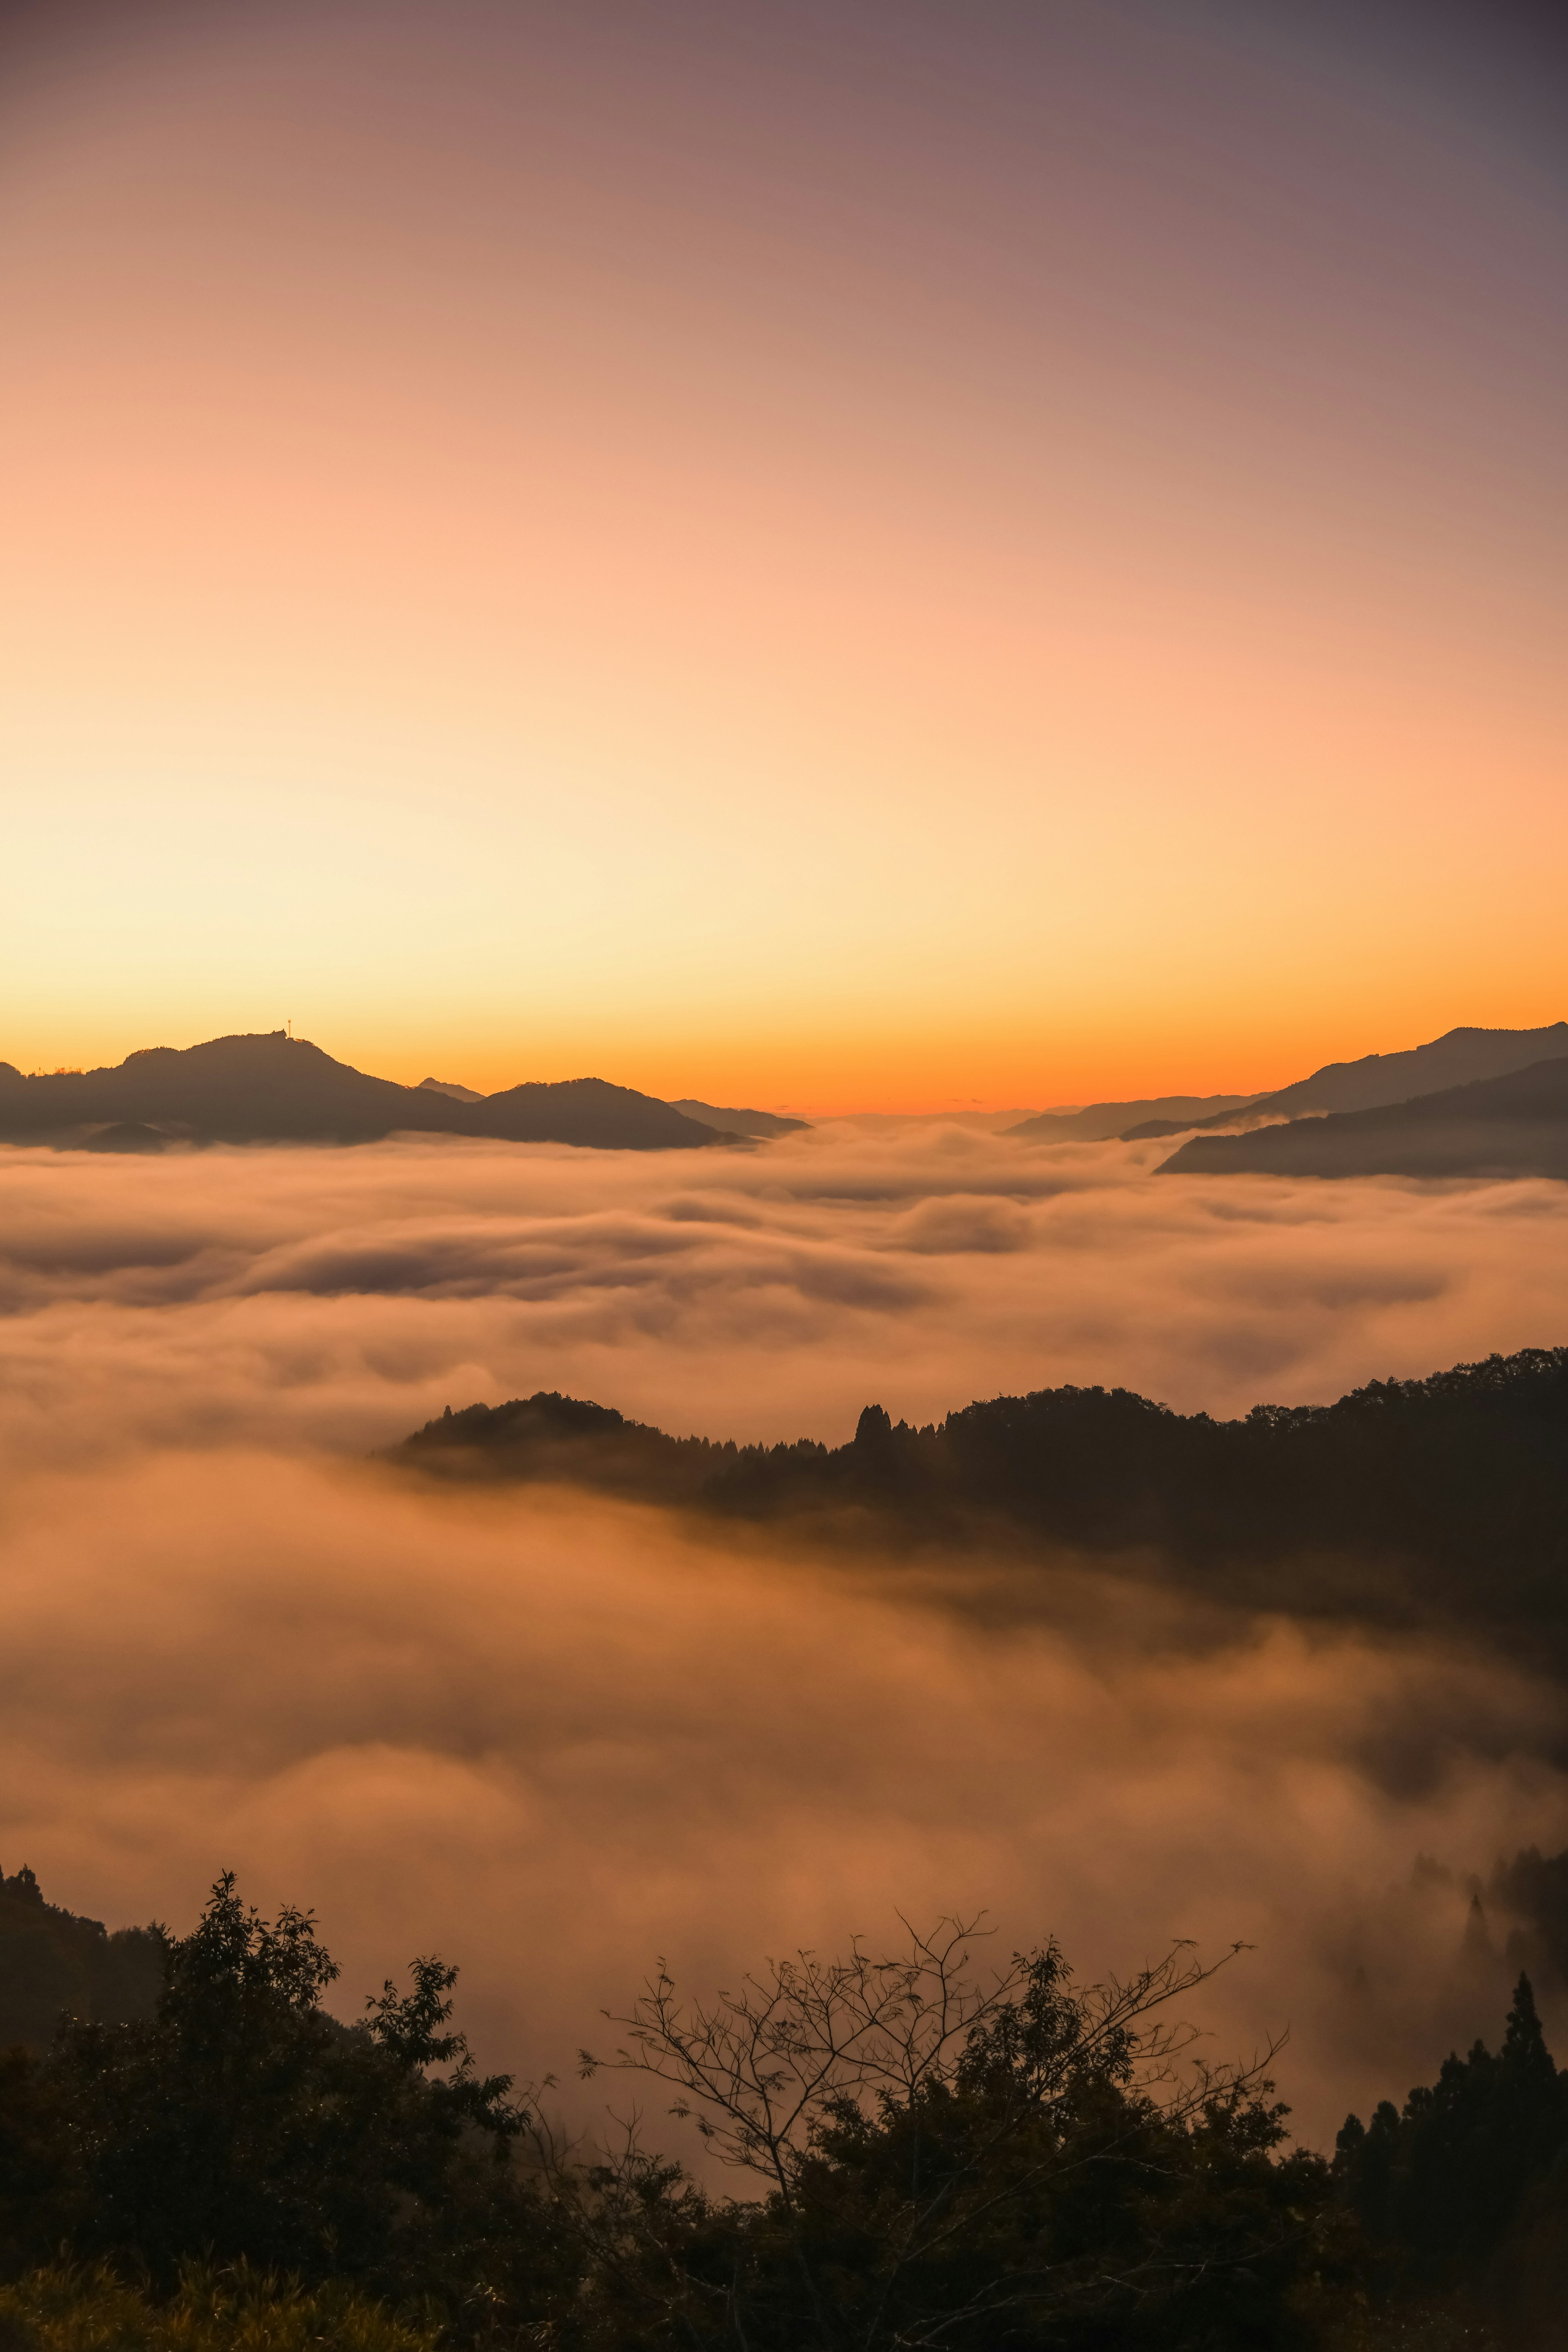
x: 1419, y: 1501
x: 930, y: 2153
x: 1465, y: 2189
x: 240, y: 2122
x: 52, y: 1962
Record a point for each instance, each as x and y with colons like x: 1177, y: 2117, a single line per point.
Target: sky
x: 552, y: 1736
x: 820, y: 556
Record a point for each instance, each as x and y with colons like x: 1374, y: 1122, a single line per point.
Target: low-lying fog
x: 552, y: 1736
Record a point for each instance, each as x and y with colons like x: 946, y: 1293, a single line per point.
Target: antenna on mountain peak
x: 289, y: 1027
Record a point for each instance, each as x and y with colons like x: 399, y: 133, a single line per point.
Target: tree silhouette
x: 1441, y: 2186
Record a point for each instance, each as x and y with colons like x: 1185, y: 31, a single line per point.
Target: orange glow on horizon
x: 730, y: 561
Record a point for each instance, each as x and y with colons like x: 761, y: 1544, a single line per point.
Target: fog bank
x: 321, y: 1298
x: 551, y: 1736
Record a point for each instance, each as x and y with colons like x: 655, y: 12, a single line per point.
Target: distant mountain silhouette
x: 1436, y: 1502
x: 1512, y: 1126
x: 1455, y: 1059
x: 1149, y: 1129
x: 740, y: 1122
x: 129, y: 1135
x: 1097, y: 1122
x: 274, y: 1088
x: 586, y: 1110
x: 450, y: 1086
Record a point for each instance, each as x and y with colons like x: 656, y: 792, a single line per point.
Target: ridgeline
x: 1431, y: 1502
x: 274, y: 1088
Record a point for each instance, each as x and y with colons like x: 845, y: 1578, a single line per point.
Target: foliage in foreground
x: 65, y: 2309
x: 1466, y: 2188
x: 242, y: 2124
x: 928, y: 2156
x: 944, y: 2161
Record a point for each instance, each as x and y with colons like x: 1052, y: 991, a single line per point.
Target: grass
x: 71, y: 2309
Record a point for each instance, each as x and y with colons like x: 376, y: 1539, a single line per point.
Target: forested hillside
x: 1434, y: 1501
x: 51, y: 1962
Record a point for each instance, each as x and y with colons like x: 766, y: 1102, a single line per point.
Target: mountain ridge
x: 267, y: 1086
x: 1374, y: 1081
x: 1512, y: 1126
x: 1098, y: 1122
x: 1458, y: 1057
x: 761, y: 1124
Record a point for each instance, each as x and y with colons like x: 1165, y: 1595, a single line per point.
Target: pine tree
x: 1439, y: 2186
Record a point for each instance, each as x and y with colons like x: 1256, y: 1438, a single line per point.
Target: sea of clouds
x: 552, y: 1736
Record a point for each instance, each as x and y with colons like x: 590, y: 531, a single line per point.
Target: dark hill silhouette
x: 273, y: 1089
x: 450, y: 1086
x: 1433, y: 1502
x: 590, y: 1111
x: 52, y: 1962
x: 1458, y: 1058
x: 128, y: 1136
x: 763, y: 1123
x: 1512, y: 1126
x: 1097, y: 1122
x: 1148, y: 1129
x: 239, y: 1089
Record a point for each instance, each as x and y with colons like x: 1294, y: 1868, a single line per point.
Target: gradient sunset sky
x: 838, y: 555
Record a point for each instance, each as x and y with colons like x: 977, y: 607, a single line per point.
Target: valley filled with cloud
x: 552, y: 1736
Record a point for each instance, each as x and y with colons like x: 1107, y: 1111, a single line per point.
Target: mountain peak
x: 267, y: 1086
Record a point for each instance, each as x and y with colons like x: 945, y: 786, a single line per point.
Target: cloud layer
x: 551, y: 1736
x: 336, y: 1298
